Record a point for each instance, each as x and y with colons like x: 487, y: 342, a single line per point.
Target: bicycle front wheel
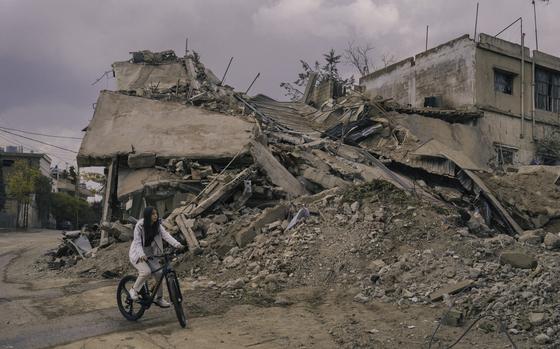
x: 130, y: 309
x: 175, y: 296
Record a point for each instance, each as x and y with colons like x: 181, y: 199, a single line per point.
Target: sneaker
x: 162, y: 303
x: 133, y: 294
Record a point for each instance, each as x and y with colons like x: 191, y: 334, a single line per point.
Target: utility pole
x: 476, y: 21
x: 427, y: 28
x: 535, y: 18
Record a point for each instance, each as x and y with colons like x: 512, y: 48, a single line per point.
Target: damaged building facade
x: 516, y: 94
x: 38, y: 161
x: 342, y: 180
x: 174, y: 137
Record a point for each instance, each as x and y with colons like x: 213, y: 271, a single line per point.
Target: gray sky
x: 51, y: 51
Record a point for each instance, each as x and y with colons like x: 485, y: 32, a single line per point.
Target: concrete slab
x: 167, y: 129
x: 131, y: 76
x: 131, y: 181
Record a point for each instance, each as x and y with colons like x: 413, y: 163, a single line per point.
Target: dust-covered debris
x: 357, y: 194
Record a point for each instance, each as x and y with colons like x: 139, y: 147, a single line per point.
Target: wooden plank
x: 514, y: 227
x: 275, y: 171
x: 185, y: 225
x: 219, y: 193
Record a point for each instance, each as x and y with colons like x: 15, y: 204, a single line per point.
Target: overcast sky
x: 51, y: 51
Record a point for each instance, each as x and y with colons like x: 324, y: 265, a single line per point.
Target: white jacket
x: 136, y: 247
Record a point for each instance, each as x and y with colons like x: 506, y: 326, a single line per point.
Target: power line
x: 60, y: 157
x: 38, y: 141
x: 39, y: 134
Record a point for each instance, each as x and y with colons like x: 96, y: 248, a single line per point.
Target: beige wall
x: 502, y: 118
x: 486, y: 95
x: 447, y: 70
x: 504, y: 129
x: 394, y: 81
x: 462, y: 72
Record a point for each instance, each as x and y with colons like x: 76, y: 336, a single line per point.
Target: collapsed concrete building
x: 512, y: 96
x: 175, y: 138
x: 367, y: 191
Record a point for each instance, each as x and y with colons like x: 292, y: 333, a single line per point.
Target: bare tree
x: 359, y: 57
x: 387, y: 59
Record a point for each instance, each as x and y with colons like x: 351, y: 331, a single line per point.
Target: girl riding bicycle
x: 148, y: 241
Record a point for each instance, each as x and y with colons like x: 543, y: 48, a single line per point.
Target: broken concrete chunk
x: 376, y: 265
x: 518, y: 260
x: 122, y: 232
x: 532, y: 237
x: 454, y: 318
x: 361, y: 298
x: 536, y: 318
x: 220, y: 219
x: 451, y: 289
x: 186, y: 227
x: 277, y: 173
x: 141, y: 160
x: 552, y: 241
x: 218, y: 193
x: 246, y: 235
x: 542, y: 339
x: 324, y: 179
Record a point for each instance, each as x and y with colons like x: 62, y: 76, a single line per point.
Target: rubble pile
x: 85, y: 244
x: 197, y: 85
x: 384, y: 245
x: 75, y: 245
x: 388, y: 204
x: 531, y: 195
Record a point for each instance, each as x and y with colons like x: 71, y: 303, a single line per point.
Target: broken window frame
x: 547, y: 89
x: 505, y: 154
x: 503, y: 81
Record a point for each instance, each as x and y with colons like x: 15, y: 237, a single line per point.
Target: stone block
x: 532, y: 237
x: 552, y: 241
x: 245, y: 236
x: 518, y: 260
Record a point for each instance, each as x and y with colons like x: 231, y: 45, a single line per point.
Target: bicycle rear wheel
x: 175, y: 296
x: 130, y: 309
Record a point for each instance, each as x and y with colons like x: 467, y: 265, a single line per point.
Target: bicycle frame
x: 167, y: 270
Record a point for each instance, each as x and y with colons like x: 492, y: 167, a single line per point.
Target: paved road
x: 39, y: 313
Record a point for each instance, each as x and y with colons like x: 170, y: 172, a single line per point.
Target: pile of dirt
x: 372, y: 243
x: 533, y: 198
x: 380, y: 244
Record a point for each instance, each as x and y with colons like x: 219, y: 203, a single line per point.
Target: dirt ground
x: 51, y: 310
x: 330, y: 322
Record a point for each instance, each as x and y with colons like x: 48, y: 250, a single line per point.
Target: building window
x: 503, y: 81
x: 547, y: 91
x: 505, y: 155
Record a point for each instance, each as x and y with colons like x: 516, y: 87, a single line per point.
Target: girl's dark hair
x: 149, y: 228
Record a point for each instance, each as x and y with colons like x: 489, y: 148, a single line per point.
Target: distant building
x: 65, y: 185
x: 487, y: 76
x: 40, y: 161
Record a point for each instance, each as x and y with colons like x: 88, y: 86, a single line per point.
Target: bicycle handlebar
x: 168, y: 254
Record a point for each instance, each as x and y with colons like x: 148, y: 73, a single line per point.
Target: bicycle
x: 133, y: 310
